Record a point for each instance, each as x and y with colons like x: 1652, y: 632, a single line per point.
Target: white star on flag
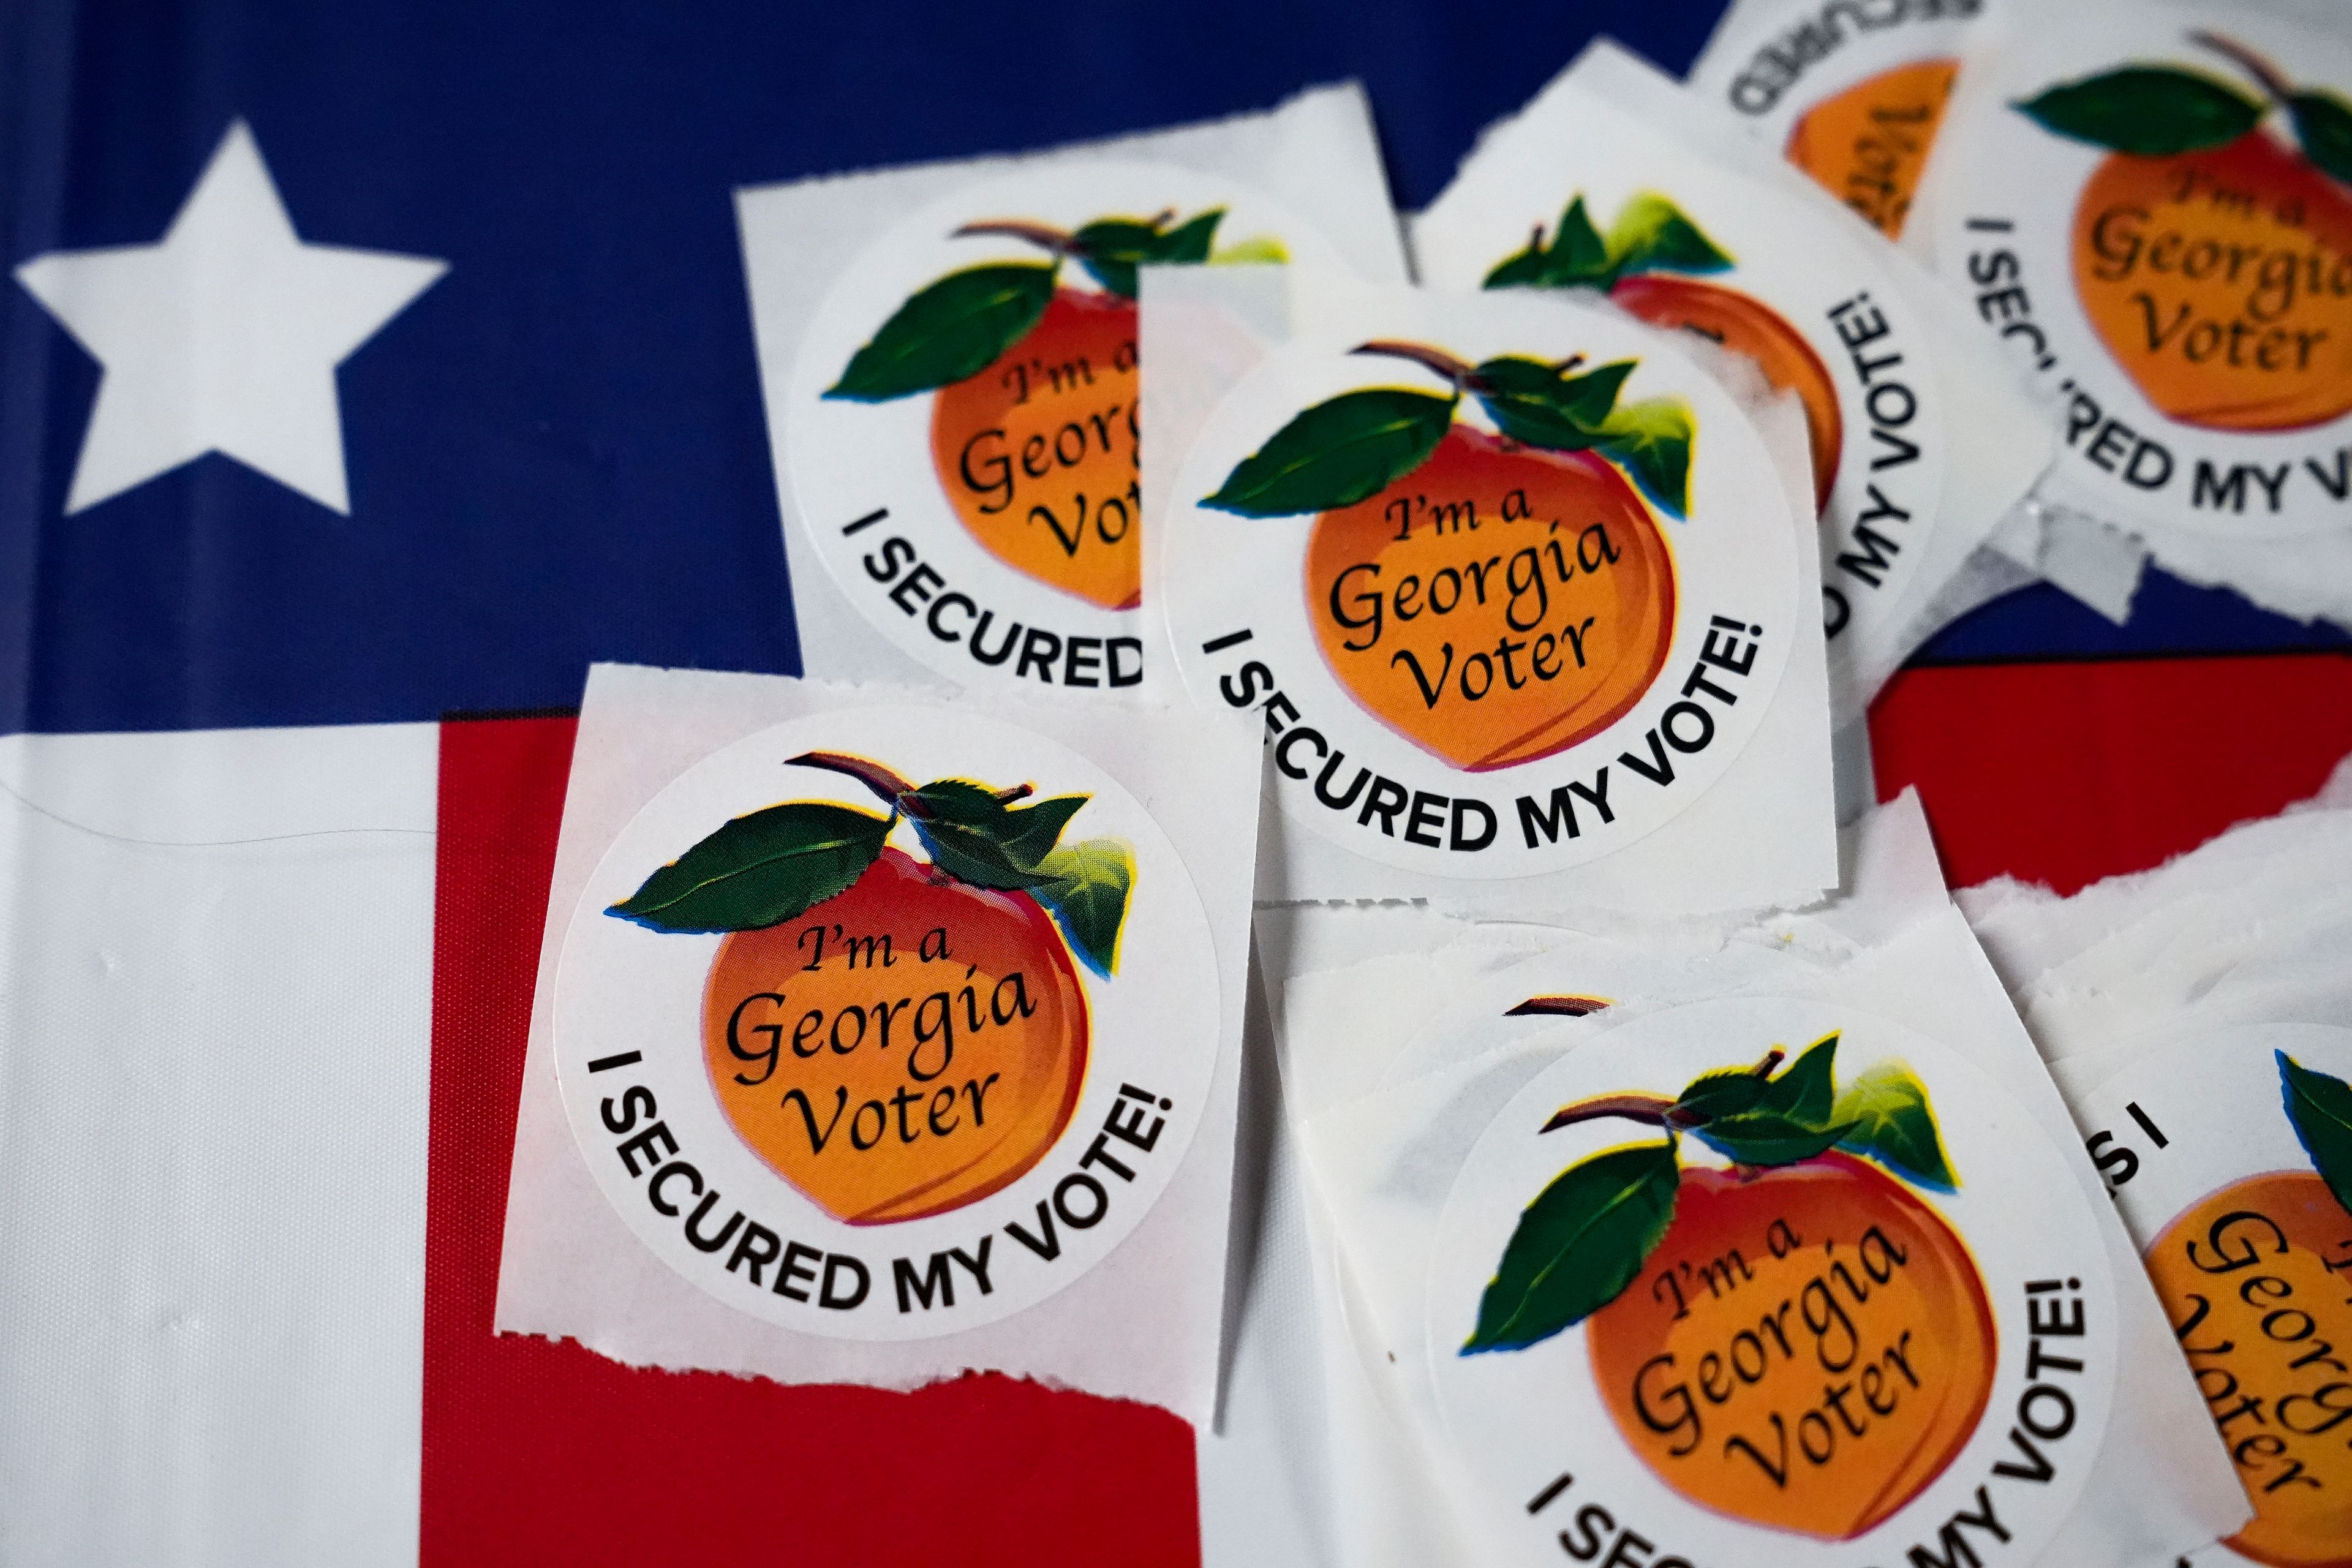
x: 222, y: 336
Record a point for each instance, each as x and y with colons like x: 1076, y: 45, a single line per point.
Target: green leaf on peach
x: 948, y: 331
x: 1768, y: 1138
x: 1578, y: 1245
x: 760, y: 870
x: 2323, y: 124
x: 1892, y: 1123
x: 975, y: 852
x: 1652, y: 235
x: 955, y: 800
x: 1087, y: 893
x: 1651, y: 440
x: 1337, y: 454
x: 1536, y: 404
x: 1576, y: 257
x: 2320, y: 1106
x: 1112, y: 248
x: 2150, y: 111
x: 1806, y: 1087
x: 1725, y: 1093
x: 1032, y: 831
x: 977, y: 835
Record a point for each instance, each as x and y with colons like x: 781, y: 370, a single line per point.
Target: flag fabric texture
x: 365, y: 373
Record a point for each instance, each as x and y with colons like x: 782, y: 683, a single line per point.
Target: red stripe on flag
x: 2064, y: 773
x: 542, y: 1452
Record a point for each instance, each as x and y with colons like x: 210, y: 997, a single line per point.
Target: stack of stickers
x: 2150, y: 206
x: 1778, y: 1243
x: 2199, y: 1019
x: 1662, y: 1175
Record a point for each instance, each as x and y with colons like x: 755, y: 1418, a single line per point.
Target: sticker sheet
x: 877, y: 1039
x: 949, y: 355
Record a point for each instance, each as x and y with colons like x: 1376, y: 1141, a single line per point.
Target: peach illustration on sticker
x: 1822, y: 1222
x: 1035, y: 420
x: 1485, y: 649
x: 1868, y: 144
x: 1654, y: 262
x: 2212, y: 247
x: 2257, y: 1277
x: 897, y: 1038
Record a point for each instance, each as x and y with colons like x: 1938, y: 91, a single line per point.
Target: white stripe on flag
x: 213, y: 1086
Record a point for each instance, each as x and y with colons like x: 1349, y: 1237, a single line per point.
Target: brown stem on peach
x: 893, y: 790
x: 2273, y: 81
x: 1054, y: 239
x: 1570, y: 363
x: 1656, y: 1110
x: 1649, y: 1107
x: 1437, y: 360
x: 1557, y: 1007
x: 887, y: 785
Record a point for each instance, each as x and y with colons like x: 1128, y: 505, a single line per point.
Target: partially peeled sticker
x: 1616, y: 183
x: 1515, y: 587
x: 2229, y: 1153
x: 1852, y: 95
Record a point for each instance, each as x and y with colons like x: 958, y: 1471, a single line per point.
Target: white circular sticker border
x: 1238, y: 618
x: 1533, y: 1421
x: 2009, y: 220
x: 877, y: 509
x: 630, y: 1057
